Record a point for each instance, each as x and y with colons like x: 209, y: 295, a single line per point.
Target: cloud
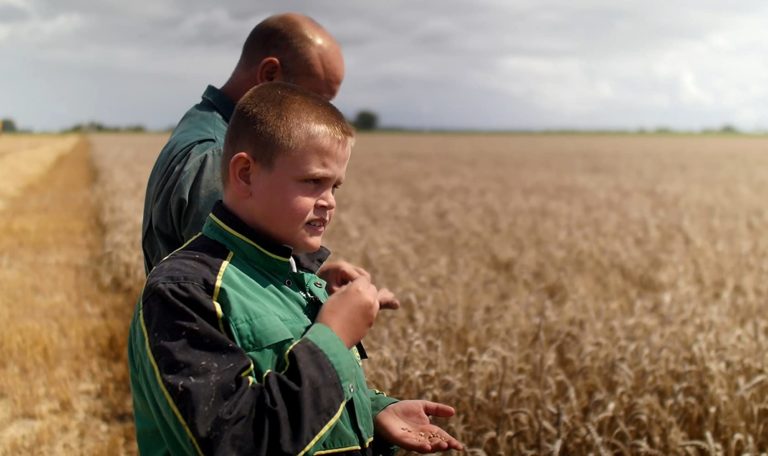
x: 565, y: 57
x: 37, y: 31
x: 483, y: 64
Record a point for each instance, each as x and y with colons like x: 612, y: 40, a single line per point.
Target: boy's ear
x: 269, y: 70
x: 241, y: 167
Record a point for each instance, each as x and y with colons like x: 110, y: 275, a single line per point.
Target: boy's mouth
x: 318, y: 223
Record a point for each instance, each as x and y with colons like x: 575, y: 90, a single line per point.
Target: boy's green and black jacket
x: 225, y: 358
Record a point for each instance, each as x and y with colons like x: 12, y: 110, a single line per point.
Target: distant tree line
x: 366, y: 120
x: 727, y: 128
x: 96, y: 127
x: 8, y: 125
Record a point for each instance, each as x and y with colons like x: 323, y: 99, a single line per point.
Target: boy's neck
x: 259, y: 235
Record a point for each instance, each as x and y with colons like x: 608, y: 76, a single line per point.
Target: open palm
x: 407, y: 425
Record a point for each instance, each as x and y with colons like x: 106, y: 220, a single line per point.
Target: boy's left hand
x: 339, y: 273
x: 406, y: 424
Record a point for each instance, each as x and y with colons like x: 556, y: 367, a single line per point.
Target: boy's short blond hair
x: 277, y: 117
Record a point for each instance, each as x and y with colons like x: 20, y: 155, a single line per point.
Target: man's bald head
x: 291, y: 48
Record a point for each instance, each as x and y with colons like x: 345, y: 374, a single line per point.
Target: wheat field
x: 25, y: 158
x: 568, y: 294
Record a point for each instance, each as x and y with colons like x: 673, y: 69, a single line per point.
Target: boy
x: 234, y: 351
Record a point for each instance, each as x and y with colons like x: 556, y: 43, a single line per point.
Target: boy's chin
x: 307, y: 247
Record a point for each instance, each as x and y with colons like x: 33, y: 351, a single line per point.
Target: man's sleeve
x: 197, y: 190
x: 196, y: 386
x: 182, y: 202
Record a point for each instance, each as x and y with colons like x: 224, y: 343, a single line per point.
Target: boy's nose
x: 327, y: 200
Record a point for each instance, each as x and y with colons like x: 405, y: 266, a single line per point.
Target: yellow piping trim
x: 162, y: 386
x: 219, y: 315
x: 287, y: 363
x: 217, y: 289
x: 324, y: 429
x: 240, y: 236
x: 263, y: 377
x: 182, y: 246
x: 250, y: 369
x: 338, y: 450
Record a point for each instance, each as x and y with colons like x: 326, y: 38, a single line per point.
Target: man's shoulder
x: 203, y: 127
x: 198, y: 136
x: 201, y: 123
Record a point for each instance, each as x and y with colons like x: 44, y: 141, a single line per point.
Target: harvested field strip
x: 63, y: 385
x: 22, y: 161
x: 20, y: 142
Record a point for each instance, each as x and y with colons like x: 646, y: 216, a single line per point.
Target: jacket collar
x: 226, y: 227
x: 220, y: 102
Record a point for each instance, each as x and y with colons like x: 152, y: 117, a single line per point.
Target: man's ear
x: 270, y: 70
x: 241, y: 168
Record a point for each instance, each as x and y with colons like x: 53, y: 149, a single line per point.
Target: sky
x: 447, y: 64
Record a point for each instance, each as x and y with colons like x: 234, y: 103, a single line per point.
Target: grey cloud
x: 492, y: 63
x: 10, y: 13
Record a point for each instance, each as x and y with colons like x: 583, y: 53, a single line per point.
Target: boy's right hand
x: 351, y: 311
x: 340, y: 273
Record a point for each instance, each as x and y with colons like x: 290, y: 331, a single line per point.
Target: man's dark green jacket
x: 225, y: 358
x: 185, y: 181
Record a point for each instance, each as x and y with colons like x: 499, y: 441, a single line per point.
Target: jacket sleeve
x: 196, y: 386
x: 178, y: 204
x: 196, y: 191
x: 379, y: 401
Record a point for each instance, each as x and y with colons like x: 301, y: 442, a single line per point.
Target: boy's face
x: 294, y: 202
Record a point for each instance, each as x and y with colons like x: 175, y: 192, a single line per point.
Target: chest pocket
x: 265, y: 340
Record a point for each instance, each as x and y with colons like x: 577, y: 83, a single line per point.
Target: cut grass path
x: 63, y: 379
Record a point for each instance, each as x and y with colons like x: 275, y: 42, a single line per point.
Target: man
x: 185, y: 181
